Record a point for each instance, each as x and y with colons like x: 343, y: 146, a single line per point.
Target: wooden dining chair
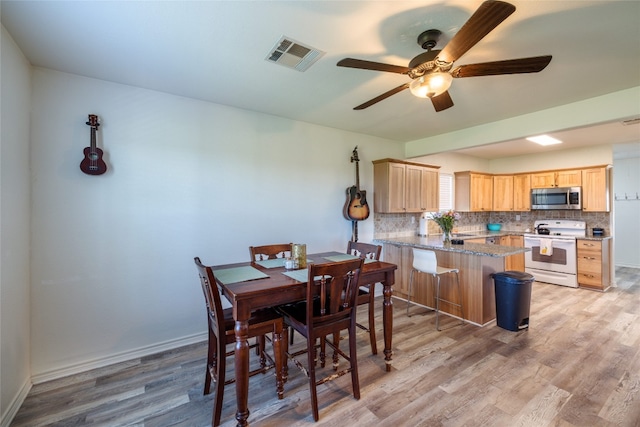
x: 366, y: 293
x: 221, y: 333
x: 329, y: 308
x: 280, y: 250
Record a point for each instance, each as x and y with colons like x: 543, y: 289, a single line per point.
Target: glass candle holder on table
x: 299, y: 253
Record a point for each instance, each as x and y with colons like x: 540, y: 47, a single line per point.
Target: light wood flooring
x: 577, y: 365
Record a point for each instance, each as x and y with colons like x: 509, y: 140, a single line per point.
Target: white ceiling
x: 216, y: 50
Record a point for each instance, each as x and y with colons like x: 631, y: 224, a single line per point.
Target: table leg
x: 387, y: 320
x: 242, y: 371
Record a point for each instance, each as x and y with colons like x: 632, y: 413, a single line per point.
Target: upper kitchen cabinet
x: 405, y: 187
x: 474, y: 192
x: 512, y: 193
x: 595, y: 189
x: 522, y: 192
x: 558, y: 178
x: 503, y: 193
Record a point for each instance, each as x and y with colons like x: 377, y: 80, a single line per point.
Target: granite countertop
x: 435, y: 243
x: 595, y: 238
x: 486, y: 233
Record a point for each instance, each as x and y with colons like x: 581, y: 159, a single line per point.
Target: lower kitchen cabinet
x: 402, y: 256
x: 594, y: 268
x: 476, y: 281
x: 481, y: 240
x: 513, y: 262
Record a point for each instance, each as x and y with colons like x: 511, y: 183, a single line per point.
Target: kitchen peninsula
x: 476, y: 262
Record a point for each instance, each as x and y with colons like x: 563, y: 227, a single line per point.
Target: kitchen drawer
x: 589, y: 245
x: 589, y: 267
x: 589, y: 256
x: 590, y: 280
x: 593, y: 264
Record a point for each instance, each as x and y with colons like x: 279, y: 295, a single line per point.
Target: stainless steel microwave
x: 556, y: 198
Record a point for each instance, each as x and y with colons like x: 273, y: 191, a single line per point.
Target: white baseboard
x: 15, y: 404
x: 117, y: 358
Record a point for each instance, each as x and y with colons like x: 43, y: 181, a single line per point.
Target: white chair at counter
x: 425, y: 261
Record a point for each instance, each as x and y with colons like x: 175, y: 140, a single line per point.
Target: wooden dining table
x: 253, y: 285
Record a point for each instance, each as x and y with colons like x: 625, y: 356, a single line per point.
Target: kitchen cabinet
x: 405, y: 187
x: 595, y: 189
x: 502, y: 193
x: 522, y: 192
x: 480, y: 240
x: 474, y: 192
x: 402, y: 256
x: 513, y: 262
x: 512, y: 193
x: 481, y: 192
x: 422, y: 190
x: 476, y: 276
x: 558, y: 178
x: 594, y: 268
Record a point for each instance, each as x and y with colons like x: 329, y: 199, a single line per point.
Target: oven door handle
x: 556, y: 242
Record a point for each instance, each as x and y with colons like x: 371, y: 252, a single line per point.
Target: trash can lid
x: 514, y: 277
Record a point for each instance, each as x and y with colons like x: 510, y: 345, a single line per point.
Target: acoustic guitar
x: 356, y: 207
x: 92, y: 164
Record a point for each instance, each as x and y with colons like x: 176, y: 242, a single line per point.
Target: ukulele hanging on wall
x: 92, y: 164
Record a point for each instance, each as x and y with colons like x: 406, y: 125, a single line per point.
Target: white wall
x: 112, y: 269
x: 15, y: 93
x: 601, y: 109
x: 558, y: 159
x: 626, y: 180
x: 454, y: 162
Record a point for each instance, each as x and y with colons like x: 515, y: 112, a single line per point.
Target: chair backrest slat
x: 280, y: 250
x: 333, y: 288
x: 215, y: 312
x: 364, y: 250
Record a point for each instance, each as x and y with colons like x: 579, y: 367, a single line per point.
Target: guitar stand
x: 354, y: 231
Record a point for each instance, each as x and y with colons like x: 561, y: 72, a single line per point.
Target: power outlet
x: 517, y: 217
x: 413, y: 220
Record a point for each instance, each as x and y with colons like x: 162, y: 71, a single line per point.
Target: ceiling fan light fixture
x: 430, y: 85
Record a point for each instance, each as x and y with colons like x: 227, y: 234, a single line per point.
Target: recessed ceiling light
x: 544, y: 140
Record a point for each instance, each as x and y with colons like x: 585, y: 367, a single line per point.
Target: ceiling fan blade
x: 370, y: 65
x: 381, y: 97
x: 442, y: 101
x: 488, y: 16
x: 511, y: 66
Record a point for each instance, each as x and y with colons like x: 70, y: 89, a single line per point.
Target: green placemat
x: 344, y: 257
x: 271, y: 263
x: 299, y: 275
x: 239, y: 274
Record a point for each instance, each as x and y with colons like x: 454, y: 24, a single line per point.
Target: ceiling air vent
x: 293, y: 54
x: 631, y: 121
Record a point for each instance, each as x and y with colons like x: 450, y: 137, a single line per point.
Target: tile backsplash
x: 397, y: 225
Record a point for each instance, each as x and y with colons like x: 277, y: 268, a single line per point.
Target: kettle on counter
x: 542, y: 230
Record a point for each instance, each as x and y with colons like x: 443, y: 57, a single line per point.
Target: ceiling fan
x: 431, y: 72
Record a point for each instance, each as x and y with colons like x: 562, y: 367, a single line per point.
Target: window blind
x: 446, y: 192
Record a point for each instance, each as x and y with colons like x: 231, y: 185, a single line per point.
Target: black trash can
x: 513, y: 299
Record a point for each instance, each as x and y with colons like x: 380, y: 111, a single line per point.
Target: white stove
x: 552, y: 258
